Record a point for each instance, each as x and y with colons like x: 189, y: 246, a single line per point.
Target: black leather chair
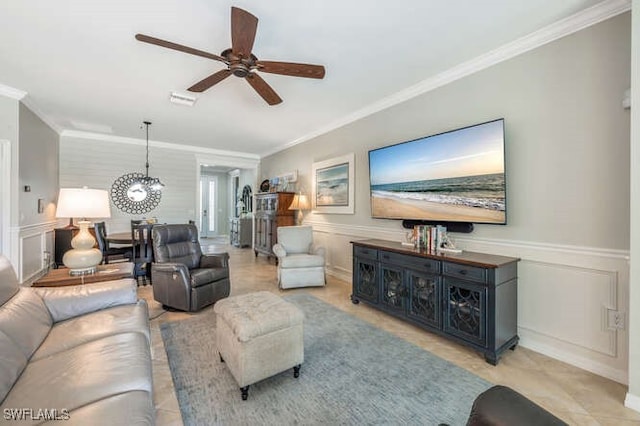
x: 502, y: 406
x: 184, y: 278
x: 141, y: 241
x: 122, y: 252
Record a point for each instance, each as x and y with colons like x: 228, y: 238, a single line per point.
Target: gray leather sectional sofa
x: 78, y: 353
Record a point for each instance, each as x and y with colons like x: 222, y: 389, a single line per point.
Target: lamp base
x: 83, y: 271
x: 83, y: 258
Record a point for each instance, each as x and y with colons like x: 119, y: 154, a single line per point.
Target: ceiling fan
x: 239, y: 59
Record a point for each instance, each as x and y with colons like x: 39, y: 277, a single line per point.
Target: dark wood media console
x: 468, y: 297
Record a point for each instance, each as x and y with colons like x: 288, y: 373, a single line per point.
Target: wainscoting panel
x: 564, y: 293
x: 576, y: 302
x: 35, y: 245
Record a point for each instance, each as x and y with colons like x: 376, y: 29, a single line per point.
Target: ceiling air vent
x: 181, y: 99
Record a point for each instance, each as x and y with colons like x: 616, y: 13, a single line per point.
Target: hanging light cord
x: 147, y: 123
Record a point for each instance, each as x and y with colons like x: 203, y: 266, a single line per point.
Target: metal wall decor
x: 130, y: 196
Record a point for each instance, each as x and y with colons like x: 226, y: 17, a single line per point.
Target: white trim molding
x: 632, y: 401
x: 583, y: 19
x: 12, y: 92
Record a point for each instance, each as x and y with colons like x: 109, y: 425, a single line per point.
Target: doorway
x: 209, y: 196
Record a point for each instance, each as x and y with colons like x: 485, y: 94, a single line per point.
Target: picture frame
x: 334, y: 185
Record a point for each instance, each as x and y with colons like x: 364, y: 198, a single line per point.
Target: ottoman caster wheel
x: 245, y: 392
x: 296, y: 371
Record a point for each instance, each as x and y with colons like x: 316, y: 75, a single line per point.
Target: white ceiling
x: 81, y: 67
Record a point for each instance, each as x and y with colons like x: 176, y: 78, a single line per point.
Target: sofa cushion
x: 84, y: 374
x: 68, y: 302
x: 25, y: 320
x: 301, y: 261
x: 207, y: 275
x: 12, y: 362
x: 295, y: 239
x: 96, y: 325
x: 130, y: 408
x: 8, y: 280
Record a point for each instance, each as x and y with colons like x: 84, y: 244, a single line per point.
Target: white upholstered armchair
x: 300, y: 262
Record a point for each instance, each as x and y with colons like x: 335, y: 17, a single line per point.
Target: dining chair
x: 121, y: 252
x: 142, y: 251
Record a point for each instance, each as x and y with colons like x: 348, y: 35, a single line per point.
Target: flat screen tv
x: 456, y: 176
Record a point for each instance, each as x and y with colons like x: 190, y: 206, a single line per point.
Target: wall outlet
x: 615, y: 319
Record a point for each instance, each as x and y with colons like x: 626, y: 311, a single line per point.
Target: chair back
x: 101, y: 236
x: 141, y: 240
x: 295, y: 239
x: 177, y: 243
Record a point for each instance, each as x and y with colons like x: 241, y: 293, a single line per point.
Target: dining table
x: 119, y: 238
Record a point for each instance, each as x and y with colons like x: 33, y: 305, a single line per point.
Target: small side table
x: 60, y: 277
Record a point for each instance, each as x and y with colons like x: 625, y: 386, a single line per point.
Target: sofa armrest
x: 214, y: 260
x: 278, y: 250
x: 72, y: 301
x: 319, y: 251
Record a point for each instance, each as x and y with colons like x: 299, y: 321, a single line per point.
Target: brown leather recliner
x: 183, y: 278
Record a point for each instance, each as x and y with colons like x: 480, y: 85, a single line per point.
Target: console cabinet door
x: 366, y: 284
x: 465, y: 310
x: 392, y: 287
x: 423, y: 298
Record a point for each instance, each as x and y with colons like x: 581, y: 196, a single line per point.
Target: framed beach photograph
x: 333, y: 185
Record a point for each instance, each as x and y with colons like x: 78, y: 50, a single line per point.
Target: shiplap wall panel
x: 97, y: 164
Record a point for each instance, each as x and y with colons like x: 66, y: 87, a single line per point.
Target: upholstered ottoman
x: 258, y: 335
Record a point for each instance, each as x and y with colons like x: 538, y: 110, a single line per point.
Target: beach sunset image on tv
x: 456, y: 176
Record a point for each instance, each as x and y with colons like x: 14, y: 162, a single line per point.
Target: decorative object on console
x: 137, y: 193
x: 334, y: 184
x: 83, y: 203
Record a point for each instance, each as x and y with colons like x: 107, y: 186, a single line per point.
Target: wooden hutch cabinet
x: 271, y: 211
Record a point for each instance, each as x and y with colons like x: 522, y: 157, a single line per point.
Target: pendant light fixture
x: 137, y: 193
x: 150, y: 182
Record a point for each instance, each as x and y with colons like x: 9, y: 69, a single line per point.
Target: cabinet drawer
x: 415, y: 263
x: 365, y: 252
x: 471, y: 273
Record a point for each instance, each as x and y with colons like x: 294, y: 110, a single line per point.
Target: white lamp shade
x: 83, y: 203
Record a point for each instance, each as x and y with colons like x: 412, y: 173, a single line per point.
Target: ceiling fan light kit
x: 240, y: 60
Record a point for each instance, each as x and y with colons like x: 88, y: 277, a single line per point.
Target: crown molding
x: 574, y: 23
x: 99, y: 137
x: 11, y: 92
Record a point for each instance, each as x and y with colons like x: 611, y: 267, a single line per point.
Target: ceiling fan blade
x: 263, y: 89
x: 292, y: 69
x: 214, y: 78
x: 179, y: 47
x: 243, y: 32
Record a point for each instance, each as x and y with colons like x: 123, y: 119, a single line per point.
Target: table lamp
x: 83, y: 203
x: 300, y: 202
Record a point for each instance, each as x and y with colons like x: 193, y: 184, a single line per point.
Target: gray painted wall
x: 567, y: 139
x: 38, y: 168
x: 568, y: 183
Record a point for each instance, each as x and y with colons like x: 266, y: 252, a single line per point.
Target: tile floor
x: 576, y: 396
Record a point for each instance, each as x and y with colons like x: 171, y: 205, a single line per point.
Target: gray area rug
x: 354, y: 373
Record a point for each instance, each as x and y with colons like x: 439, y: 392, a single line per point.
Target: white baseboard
x: 632, y: 401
